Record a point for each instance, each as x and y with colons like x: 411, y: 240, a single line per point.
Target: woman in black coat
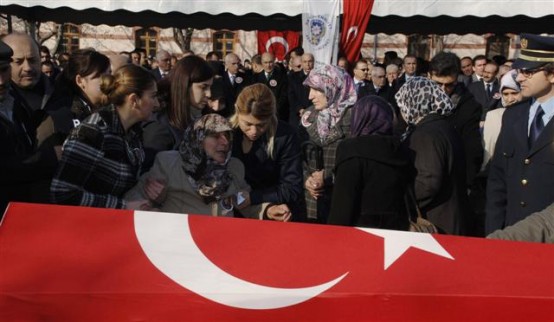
x: 437, y: 153
x: 371, y: 173
x: 269, y: 150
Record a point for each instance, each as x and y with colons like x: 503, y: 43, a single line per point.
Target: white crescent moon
x: 278, y: 39
x: 351, y: 34
x: 167, y: 241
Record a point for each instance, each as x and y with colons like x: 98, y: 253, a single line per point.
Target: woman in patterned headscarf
x: 325, y: 125
x: 437, y: 153
x: 202, y: 177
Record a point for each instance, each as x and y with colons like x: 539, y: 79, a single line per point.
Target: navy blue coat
x: 521, y: 179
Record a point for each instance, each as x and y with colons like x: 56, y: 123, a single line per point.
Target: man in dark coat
x: 163, y: 58
x: 486, y: 91
x: 276, y: 79
x: 233, y: 82
x: 21, y: 165
x: 379, y: 86
x: 297, y: 92
x: 359, y: 75
x: 409, y: 66
x: 444, y: 69
x: 520, y: 177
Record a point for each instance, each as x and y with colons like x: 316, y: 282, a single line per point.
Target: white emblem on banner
x: 317, y: 27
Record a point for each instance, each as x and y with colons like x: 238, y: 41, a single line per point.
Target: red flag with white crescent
x: 355, y: 18
x: 279, y: 43
x: 60, y: 263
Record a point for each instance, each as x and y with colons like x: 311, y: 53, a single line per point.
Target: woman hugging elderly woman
x: 202, y: 177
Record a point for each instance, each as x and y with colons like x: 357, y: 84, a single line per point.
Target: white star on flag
x: 398, y: 242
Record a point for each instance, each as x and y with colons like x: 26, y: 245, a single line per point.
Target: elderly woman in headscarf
x: 324, y: 125
x: 510, y: 92
x: 437, y: 154
x: 202, y: 177
x: 371, y: 173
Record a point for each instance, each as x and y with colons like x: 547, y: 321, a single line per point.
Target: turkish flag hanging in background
x: 60, y: 263
x: 277, y: 42
x: 355, y: 17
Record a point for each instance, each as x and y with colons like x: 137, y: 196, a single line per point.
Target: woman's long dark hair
x: 189, y: 70
x: 83, y: 62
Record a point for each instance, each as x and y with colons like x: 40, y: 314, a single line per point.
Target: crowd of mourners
x: 468, y: 142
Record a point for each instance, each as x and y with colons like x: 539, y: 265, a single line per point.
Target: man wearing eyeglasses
x: 521, y: 178
x: 444, y: 69
x: 359, y: 74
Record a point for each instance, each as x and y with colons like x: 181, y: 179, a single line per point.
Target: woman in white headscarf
x: 511, y: 94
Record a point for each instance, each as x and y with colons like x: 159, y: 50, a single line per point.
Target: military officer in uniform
x: 521, y: 178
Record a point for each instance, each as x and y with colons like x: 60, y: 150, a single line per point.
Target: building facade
x: 116, y: 39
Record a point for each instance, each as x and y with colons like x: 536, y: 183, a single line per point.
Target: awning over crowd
x: 388, y: 16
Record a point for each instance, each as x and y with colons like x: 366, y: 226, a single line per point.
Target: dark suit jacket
x: 364, y: 88
x: 157, y: 74
x: 466, y: 80
x: 232, y: 91
x: 384, y: 92
x: 278, y: 83
x: 465, y: 119
x: 521, y: 178
x: 401, y: 80
x: 25, y: 171
x: 481, y: 96
x: 298, y: 96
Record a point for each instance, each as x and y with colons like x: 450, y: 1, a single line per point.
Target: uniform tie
x: 358, y: 86
x: 489, y: 89
x: 536, y: 126
x: 233, y: 79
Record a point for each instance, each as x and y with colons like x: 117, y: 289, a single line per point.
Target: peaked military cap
x: 5, y: 54
x: 536, y: 51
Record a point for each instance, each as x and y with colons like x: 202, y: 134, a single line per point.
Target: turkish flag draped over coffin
x: 60, y: 263
x: 279, y: 43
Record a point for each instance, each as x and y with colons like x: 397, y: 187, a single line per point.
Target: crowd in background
x: 470, y: 138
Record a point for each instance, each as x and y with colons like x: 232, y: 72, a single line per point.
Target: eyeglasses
x: 528, y: 73
x: 447, y: 85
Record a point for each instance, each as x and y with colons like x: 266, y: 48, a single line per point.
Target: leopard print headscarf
x: 420, y: 97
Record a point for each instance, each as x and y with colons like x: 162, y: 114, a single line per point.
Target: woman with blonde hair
x: 102, y: 157
x: 269, y: 150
